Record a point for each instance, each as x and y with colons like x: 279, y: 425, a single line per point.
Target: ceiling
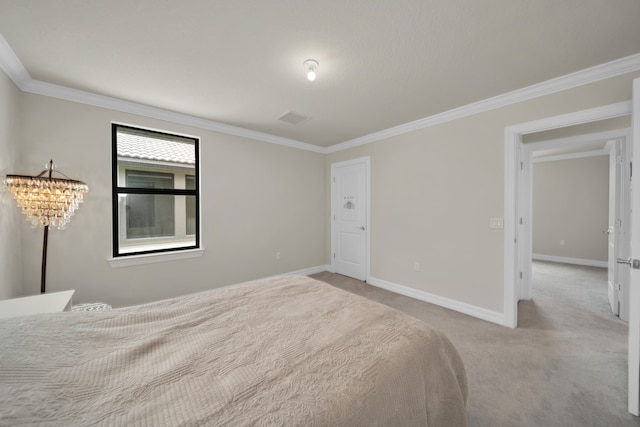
x: 382, y: 63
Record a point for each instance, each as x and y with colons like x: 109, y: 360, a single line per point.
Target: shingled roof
x: 149, y: 148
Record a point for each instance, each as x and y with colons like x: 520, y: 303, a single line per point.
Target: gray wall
x: 571, y: 204
x: 10, y: 225
x: 433, y: 192
x: 256, y: 199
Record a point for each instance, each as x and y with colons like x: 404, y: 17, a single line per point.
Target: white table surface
x: 35, y: 304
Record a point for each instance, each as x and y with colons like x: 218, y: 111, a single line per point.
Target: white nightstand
x: 44, y: 303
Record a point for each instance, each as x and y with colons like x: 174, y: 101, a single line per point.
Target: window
x: 149, y: 215
x: 191, y: 206
x: 155, y: 191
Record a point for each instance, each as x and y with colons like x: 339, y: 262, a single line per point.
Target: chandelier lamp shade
x: 47, y: 201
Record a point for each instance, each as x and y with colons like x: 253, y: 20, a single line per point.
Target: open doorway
x: 517, y: 166
x: 517, y: 222
x: 579, y: 207
x: 577, y: 210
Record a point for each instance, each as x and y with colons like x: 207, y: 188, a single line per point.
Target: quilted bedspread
x: 288, y: 351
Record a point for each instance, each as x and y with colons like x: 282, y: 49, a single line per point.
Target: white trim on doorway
x: 517, y: 244
x: 334, y: 206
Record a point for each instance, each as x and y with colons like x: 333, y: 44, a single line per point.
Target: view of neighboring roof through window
x: 155, y: 191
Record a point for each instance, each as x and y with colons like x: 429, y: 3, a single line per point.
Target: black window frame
x: 117, y: 191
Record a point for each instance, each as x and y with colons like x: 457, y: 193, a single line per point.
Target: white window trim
x: 131, y: 260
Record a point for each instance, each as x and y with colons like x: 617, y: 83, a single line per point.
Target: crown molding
x: 12, y: 66
x: 590, y: 75
x: 88, y: 98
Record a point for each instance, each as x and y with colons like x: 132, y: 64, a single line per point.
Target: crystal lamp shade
x: 46, y: 201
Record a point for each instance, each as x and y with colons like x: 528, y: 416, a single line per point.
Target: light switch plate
x: 496, y: 223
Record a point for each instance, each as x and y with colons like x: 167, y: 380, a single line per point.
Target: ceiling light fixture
x: 310, y: 65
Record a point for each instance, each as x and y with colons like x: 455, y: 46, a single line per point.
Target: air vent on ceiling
x: 293, y: 118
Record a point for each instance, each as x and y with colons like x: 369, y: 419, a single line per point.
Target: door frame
x: 526, y: 187
x: 621, y: 147
x: 517, y: 237
x: 335, y: 204
x: 633, y: 358
x: 612, y: 231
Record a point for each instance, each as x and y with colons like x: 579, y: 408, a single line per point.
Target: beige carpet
x: 565, y: 365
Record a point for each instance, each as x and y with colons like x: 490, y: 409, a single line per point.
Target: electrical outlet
x: 416, y: 266
x: 278, y: 255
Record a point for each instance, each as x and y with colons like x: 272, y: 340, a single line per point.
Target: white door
x: 634, y: 288
x: 350, y: 218
x: 612, y: 265
x: 623, y: 224
x: 619, y: 227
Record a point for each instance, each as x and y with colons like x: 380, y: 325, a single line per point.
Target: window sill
x: 127, y: 261
x: 154, y: 244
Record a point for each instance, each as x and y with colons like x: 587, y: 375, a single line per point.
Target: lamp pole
x: 43, y: 272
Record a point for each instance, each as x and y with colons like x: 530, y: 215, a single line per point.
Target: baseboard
x: 471, y: 310
x: 303, y: 272
x: 308, y: 271
x: 566, y: 260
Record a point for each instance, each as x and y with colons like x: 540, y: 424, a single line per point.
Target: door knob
x: 633, y: 263
x: 607, y: 231
x: 362, y: 227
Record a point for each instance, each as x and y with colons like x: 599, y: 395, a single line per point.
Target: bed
x: 285, y: 351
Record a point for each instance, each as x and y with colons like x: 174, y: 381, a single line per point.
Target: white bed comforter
x: 287, y: 351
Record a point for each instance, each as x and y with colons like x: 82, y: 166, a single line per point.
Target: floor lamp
x: 46, y: 201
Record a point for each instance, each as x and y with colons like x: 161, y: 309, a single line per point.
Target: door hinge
x: 334, y: 179
x: 618, y: 223
x: 334, y: 255
x: 521, y: 274
x: 520, y: 221
x: 521, y: 165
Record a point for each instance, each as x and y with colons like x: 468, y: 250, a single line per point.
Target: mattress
x: 285, y: 351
